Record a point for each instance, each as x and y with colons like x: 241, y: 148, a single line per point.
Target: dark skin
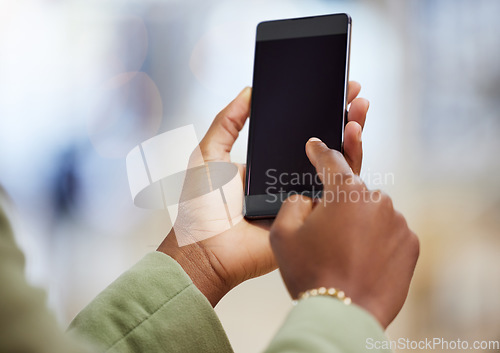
x: 218, y: 264
x: 363, y: 247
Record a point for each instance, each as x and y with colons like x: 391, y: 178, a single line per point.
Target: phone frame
x: 262, y: 206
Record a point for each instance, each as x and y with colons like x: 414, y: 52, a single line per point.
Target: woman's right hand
x: 352, y: 239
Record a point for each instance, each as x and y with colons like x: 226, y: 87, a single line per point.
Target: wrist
x: 195, y: 261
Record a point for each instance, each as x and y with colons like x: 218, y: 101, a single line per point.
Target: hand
x: 362, y: 247
x: 221, y: 262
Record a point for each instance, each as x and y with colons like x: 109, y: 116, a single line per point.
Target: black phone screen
x: 298, y: 92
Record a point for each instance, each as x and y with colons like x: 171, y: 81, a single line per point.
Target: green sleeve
x: 153, y: 307
x: 26, y: 325
x: 326, y: 325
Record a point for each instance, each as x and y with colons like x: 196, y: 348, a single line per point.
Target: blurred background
x: 82, y: 82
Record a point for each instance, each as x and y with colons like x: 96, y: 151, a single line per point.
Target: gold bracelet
x: 329, y: 292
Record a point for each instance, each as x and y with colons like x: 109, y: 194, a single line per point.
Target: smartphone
x: 301, y: 72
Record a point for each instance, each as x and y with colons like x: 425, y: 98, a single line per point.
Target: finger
x: 353, y: 146
x: 225, y: 128
x: 328, y: 163
x: 358, y: 110
x: 353, y: 90
x: 292, y: 214
x: 242, y: 168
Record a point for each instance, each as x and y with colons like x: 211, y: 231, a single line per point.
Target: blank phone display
x: 298, y: 93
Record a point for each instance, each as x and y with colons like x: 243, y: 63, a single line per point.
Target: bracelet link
x: 328, y: 292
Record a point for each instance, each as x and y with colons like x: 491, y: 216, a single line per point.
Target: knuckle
x: 376, y: 195
x: 410, y: 238
x: 414, y: 245
x: 386, y: 202
x: 384, y: 205
x: 401, y: 220
x: 293, y: 198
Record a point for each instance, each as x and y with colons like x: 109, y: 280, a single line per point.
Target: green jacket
x: 154, y: 307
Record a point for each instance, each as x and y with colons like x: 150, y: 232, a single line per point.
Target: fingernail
x: 360, y: 133
x: 314, y: 139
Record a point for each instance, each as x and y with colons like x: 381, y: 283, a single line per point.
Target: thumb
x: 292, y: 214
x: 225, y: 128
x: 328, y: 163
